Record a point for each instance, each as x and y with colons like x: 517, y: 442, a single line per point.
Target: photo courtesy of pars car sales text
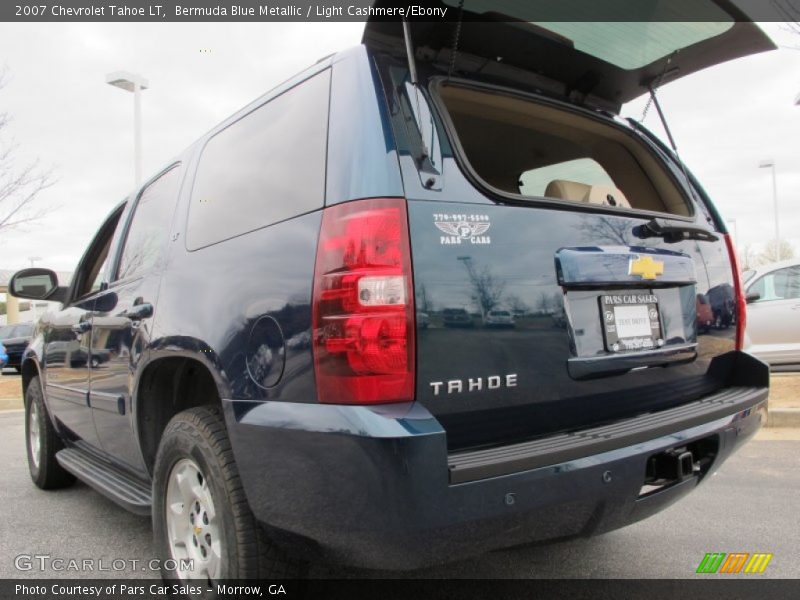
x: 352, y: 299
x: 153, y: 589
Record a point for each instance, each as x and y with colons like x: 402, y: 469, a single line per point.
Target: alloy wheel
x: 192, y: 523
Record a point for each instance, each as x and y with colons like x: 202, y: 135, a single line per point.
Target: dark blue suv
x: 239, y: 352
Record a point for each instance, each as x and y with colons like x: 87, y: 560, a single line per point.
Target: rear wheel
x: 201, y: 519
x: 42, y: 442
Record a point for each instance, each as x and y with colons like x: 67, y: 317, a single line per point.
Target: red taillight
x: 363, y: 304
x: 738, y: 290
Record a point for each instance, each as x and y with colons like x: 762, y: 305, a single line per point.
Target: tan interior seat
x: 608, y: 195
x: 567, y: 190
x: 582, y: 192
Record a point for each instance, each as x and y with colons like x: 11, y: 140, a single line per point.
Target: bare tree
x: 487, y: 288
x: 547, y: 304
x: 517, y: 305
x: 20, y: 185
x: 608, y: 230
x: 748, y: 256
x: 775, y: 251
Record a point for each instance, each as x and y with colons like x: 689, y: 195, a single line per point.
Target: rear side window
x: 149, y: 226
x: 266, y: 167
x: 527, y: 149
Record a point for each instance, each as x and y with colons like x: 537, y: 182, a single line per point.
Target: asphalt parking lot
x: 750, y: 505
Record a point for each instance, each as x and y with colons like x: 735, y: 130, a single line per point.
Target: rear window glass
x: 148, y: 230
x: 634, y: 45
x: 532, y: 150
x: 266, y: 167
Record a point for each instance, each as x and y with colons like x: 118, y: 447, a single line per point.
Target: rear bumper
x: 371, y: 486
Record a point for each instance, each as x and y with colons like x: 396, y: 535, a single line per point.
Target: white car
x: 773, y: 314
x: 498, y: 318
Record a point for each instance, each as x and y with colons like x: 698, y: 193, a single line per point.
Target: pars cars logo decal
x: 462, y: 229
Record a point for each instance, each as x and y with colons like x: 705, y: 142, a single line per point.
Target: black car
x: 15, y: 338
x: 267, y: 393
x: 456, y: 317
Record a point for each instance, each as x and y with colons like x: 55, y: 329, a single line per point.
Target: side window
x: 783, y: 284
x: 266, y: 167
x: 97, y: 282
x: 89, y: 275
x: 149, y: 226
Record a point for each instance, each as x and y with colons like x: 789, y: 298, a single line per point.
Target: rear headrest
x: 608, y: 195
x: 567, y: 190
x: 591, y: 194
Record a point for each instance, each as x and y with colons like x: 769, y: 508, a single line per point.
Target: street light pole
x: 137, y: 132
x: 770, y: 163
x: 131, y: 82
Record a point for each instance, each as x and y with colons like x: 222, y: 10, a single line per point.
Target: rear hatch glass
x: 634, y: 45
x: 602, y: 54
x: 531, y: 150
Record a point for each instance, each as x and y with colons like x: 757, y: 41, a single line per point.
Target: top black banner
x: 414, y: 10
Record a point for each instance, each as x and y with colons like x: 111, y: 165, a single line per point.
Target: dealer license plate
x: 631, y: 321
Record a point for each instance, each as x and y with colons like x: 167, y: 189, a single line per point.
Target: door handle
x: 138, y: 312
x: 81, y: 327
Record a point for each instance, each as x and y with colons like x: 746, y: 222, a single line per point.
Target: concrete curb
x: 783, y: 417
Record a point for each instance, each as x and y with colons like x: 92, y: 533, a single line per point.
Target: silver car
x: 773, y: 314
x: 498, y: 318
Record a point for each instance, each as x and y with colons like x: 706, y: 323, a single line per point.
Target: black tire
x: 199, y: 435
x: 46, y: 473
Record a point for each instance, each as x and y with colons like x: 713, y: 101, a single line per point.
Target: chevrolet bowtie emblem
x: 645, y: 267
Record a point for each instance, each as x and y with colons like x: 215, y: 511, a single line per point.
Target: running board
x: 114, y: 483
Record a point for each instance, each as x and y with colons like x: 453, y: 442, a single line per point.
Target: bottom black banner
x: 352, y: 589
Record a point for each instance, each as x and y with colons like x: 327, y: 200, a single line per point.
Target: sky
x: 725, y: 119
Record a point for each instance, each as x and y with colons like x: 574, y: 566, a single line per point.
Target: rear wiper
x: 673, y: 231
